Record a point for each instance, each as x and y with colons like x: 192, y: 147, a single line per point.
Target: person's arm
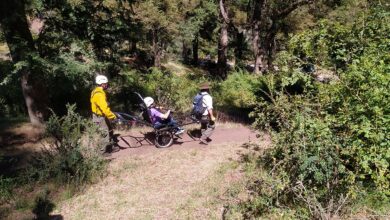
x: 208, y: 100
x: 166, y: 115
x: 159, y: 114
x: 103, y: 106
x: 212, y: 118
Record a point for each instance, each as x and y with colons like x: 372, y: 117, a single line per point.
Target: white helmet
x: 148, y: 101
x: 100, y: 79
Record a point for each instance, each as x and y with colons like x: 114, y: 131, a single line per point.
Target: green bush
x: 6, y: 186
x: 171, y: 90
x: 305, y: 156
x: 168, y: 89
x: 330, y: 141
x: 236, y: 95
x: 72, y: 155
x: 238, y: 91
x: 11, y: 97
x: 360, y: 119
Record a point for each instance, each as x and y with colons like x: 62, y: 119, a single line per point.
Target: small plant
x: 72, y: 155
x: 22, y: 204
x: 6, y: 185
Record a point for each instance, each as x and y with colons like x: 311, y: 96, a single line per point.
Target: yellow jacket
x: 99, y: 103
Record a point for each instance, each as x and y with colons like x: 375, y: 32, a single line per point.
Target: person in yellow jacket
x: 102, y: 115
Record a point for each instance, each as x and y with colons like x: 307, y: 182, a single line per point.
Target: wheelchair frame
x: 164, y: 136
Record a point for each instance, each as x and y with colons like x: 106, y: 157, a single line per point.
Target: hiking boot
x: 115, y: 149
x: 106, y: 154
x: 203, y: 141
x: 179, y: 131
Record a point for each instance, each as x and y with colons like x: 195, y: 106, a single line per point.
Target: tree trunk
x: 223, y: 42
x: 156, y: 50
x: 256, y: 48
x: 20, y: 42
x: 240, y: 41
x: 222, y: 51
x: 184, y: 53
x: 195, y: 48
x: 256, y: 16
x: 271, y: 48
x: 263, y: 19
x: 133, y: 46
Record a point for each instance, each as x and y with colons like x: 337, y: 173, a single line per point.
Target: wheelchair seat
x: 147, y: 117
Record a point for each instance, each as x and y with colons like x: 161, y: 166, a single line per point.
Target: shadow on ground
x: 19, y: 141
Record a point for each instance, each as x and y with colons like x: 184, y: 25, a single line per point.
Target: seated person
x: 160, y: 119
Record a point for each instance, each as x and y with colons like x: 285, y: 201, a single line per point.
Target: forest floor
x: 187, y: 180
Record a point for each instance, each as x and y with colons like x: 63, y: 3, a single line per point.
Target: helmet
x: 148, y: 101
x: 100, y: 79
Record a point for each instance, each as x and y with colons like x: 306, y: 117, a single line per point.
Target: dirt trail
x: 135, y: 143
x: 186, y: 180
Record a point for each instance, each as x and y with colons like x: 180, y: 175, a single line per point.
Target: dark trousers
x: 169, y: 122
x: 206, y: 127
x: 106, y: 131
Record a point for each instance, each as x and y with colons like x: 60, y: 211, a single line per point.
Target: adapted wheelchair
x: 163, y: 136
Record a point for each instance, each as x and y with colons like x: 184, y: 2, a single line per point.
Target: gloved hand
x: 117, y: 121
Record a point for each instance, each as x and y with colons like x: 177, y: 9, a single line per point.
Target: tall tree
x: 199, y: 16
x: 20, y: 42
x: 264, y: 18
x: 223, y: 40
x: 239, y: 22
x: 160, y: 21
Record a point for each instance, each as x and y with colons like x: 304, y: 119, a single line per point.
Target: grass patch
x: 372, y: 205
x: 66, y: 194
x: 23, y: 204
x: 206, y: 202
x: 179, y: 69
x: 6, y: 186
x: 128, y: 166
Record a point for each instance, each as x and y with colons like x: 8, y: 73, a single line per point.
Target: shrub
x: 305, y: 155
x: 330, y: 141
x: 236, y: 95
x: 238, y: 91
x: 168, y: 89
x: 72, y: 155
x: 6, y: 186
x: 11, y: 97
x: 171, y: 90
x: 360, y: 120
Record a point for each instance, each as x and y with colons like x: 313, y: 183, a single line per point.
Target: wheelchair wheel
x: 164, y: 139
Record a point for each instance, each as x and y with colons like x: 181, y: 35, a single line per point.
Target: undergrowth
x: 70, y: 160
x: 330, y: 153
x: 72, y: 155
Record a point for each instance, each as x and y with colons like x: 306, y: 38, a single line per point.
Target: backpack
x: 198, y: 109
